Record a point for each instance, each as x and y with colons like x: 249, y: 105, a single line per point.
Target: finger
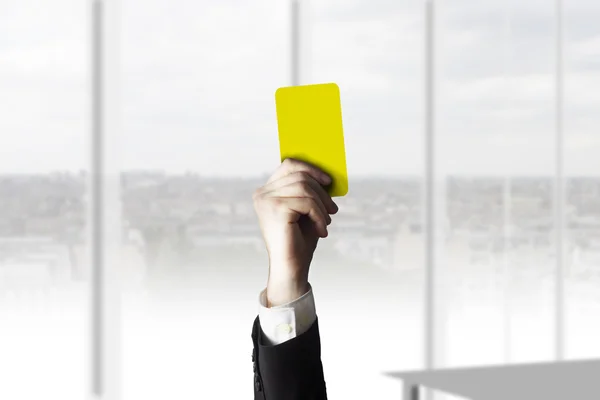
x: 297, y: 177
x: 330, y: 205
x: 309, y: 206
x: 291, y: 165
x: 301, y: 189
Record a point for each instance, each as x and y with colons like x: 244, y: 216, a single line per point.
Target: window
x: 44, y: 274
x: 581, y: 147
x: 368, y: 273
x: 199, y: 135
x: 472, y: 160
x: 495, y: 158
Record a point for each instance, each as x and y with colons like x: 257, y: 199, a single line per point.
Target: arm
x: 293, y: 210
x: 288, y: 361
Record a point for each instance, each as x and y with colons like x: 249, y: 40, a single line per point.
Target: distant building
x: 36, y: 262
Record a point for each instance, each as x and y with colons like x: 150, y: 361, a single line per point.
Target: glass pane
x: 44, y: 312
x: 368, y: 274
x: 582, y: 147
x: 496, y: 165
x: 200, y: 134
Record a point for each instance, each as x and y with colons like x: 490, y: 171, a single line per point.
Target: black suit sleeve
x: 288, y: 371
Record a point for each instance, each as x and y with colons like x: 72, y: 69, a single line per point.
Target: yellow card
x: 309, y: 119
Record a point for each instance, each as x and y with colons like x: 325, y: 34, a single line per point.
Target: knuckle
x: 301, y: 175
x: 305, y: 188
x: 276, y: 203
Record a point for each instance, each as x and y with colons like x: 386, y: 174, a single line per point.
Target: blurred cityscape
x: 187, y: 225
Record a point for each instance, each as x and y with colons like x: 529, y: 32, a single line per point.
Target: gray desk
x: 569, y: 380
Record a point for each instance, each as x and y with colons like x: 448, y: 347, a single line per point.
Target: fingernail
x: 326, y: 179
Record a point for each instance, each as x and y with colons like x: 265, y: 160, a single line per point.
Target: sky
x: 198, y: 83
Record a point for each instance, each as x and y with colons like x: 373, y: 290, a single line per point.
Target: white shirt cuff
x: 282, y: 323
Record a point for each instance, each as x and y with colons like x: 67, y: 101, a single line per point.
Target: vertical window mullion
x: 506, y: 200
x: 295, y: 43
x: 559, y: 196
x: 430, y: 249
x: 105, y: 213
x: 300, y: 43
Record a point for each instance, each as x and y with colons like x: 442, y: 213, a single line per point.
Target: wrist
x: 282, y: 291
